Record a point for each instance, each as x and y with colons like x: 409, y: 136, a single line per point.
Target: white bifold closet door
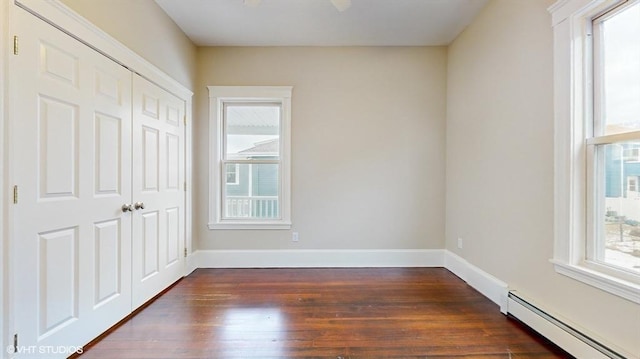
x: 158, y: 182
x: 88, y: 136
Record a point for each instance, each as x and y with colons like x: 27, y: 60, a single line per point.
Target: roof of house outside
x: 264, y: 148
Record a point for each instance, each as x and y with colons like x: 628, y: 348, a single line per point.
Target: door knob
x: 139, y: 205
x: 127, y: 208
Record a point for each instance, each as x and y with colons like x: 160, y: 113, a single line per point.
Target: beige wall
x: 146, y: 29
x: 368, y: 144
x: 500, y: 167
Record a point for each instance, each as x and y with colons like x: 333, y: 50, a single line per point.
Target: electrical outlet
x: 459, y: 242
x: 294, y: 237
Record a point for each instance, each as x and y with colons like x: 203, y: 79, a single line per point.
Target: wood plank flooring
x: 322, y: 313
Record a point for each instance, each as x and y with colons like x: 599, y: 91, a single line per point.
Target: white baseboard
x: 317, y: 258
x: 490, y: 286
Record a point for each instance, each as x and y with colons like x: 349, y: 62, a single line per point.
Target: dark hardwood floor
x: 328, y: 313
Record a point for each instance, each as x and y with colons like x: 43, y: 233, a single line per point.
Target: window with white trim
x: 597, y: 123
x: 250, y: 129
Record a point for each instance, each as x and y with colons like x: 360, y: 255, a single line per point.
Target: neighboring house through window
x: 250, y: 137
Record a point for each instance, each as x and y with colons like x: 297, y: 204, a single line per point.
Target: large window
x: 614, y: 234
x: 597, y: 92
x: 250, y: 130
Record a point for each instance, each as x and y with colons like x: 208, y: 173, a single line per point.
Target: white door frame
x: 4, y: 243
x: 67, y: 20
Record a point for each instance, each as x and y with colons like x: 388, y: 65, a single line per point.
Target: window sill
x: 613, y: 285
x: 249, y: 225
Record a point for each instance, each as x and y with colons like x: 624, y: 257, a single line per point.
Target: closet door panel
x: 108, y: 264
x: 158, y: 180
x: 70, y: 113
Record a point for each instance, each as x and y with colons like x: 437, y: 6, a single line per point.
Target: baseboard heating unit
x: 571, y: 340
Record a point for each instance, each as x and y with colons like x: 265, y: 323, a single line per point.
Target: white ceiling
x: 319, y: 23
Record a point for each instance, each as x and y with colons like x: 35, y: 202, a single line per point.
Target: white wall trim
x: 317, y: 258
x: 4, y: 238
x: 621, y: 288
x: 490, y: 286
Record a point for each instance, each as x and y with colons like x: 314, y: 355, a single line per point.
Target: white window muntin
x: 218, y: 96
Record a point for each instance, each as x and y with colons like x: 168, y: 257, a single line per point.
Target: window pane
x: 256, y: 196
x: 621, y: 71
x: 619, y: 242
x: 252, y: 131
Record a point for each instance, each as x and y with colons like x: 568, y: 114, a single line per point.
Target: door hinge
x: 15, y: 194
x: 185, y: 186
x: 185, y: 120
x: 185, y: 252
x: 15, y: 45
x: 15, y: 343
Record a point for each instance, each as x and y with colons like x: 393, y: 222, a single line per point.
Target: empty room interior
x: 320, y: 178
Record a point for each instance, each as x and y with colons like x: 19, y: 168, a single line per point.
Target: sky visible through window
x: 249, y: 125
x: 620, y: 202
x: 622, y: 71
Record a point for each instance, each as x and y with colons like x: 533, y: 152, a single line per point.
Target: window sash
x: 224, y: 196
x: 595, y: 150
x: 595, y: 46
x: 596, y: 207
x: 229, y: 103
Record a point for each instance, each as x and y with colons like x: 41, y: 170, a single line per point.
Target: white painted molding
x: 490, y: 286
x: 260, y: 92
x: 318, y: 258
x: 456, y: 265
x: 4, y: 238
x: 561, y: 10
x: 617, y: 286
